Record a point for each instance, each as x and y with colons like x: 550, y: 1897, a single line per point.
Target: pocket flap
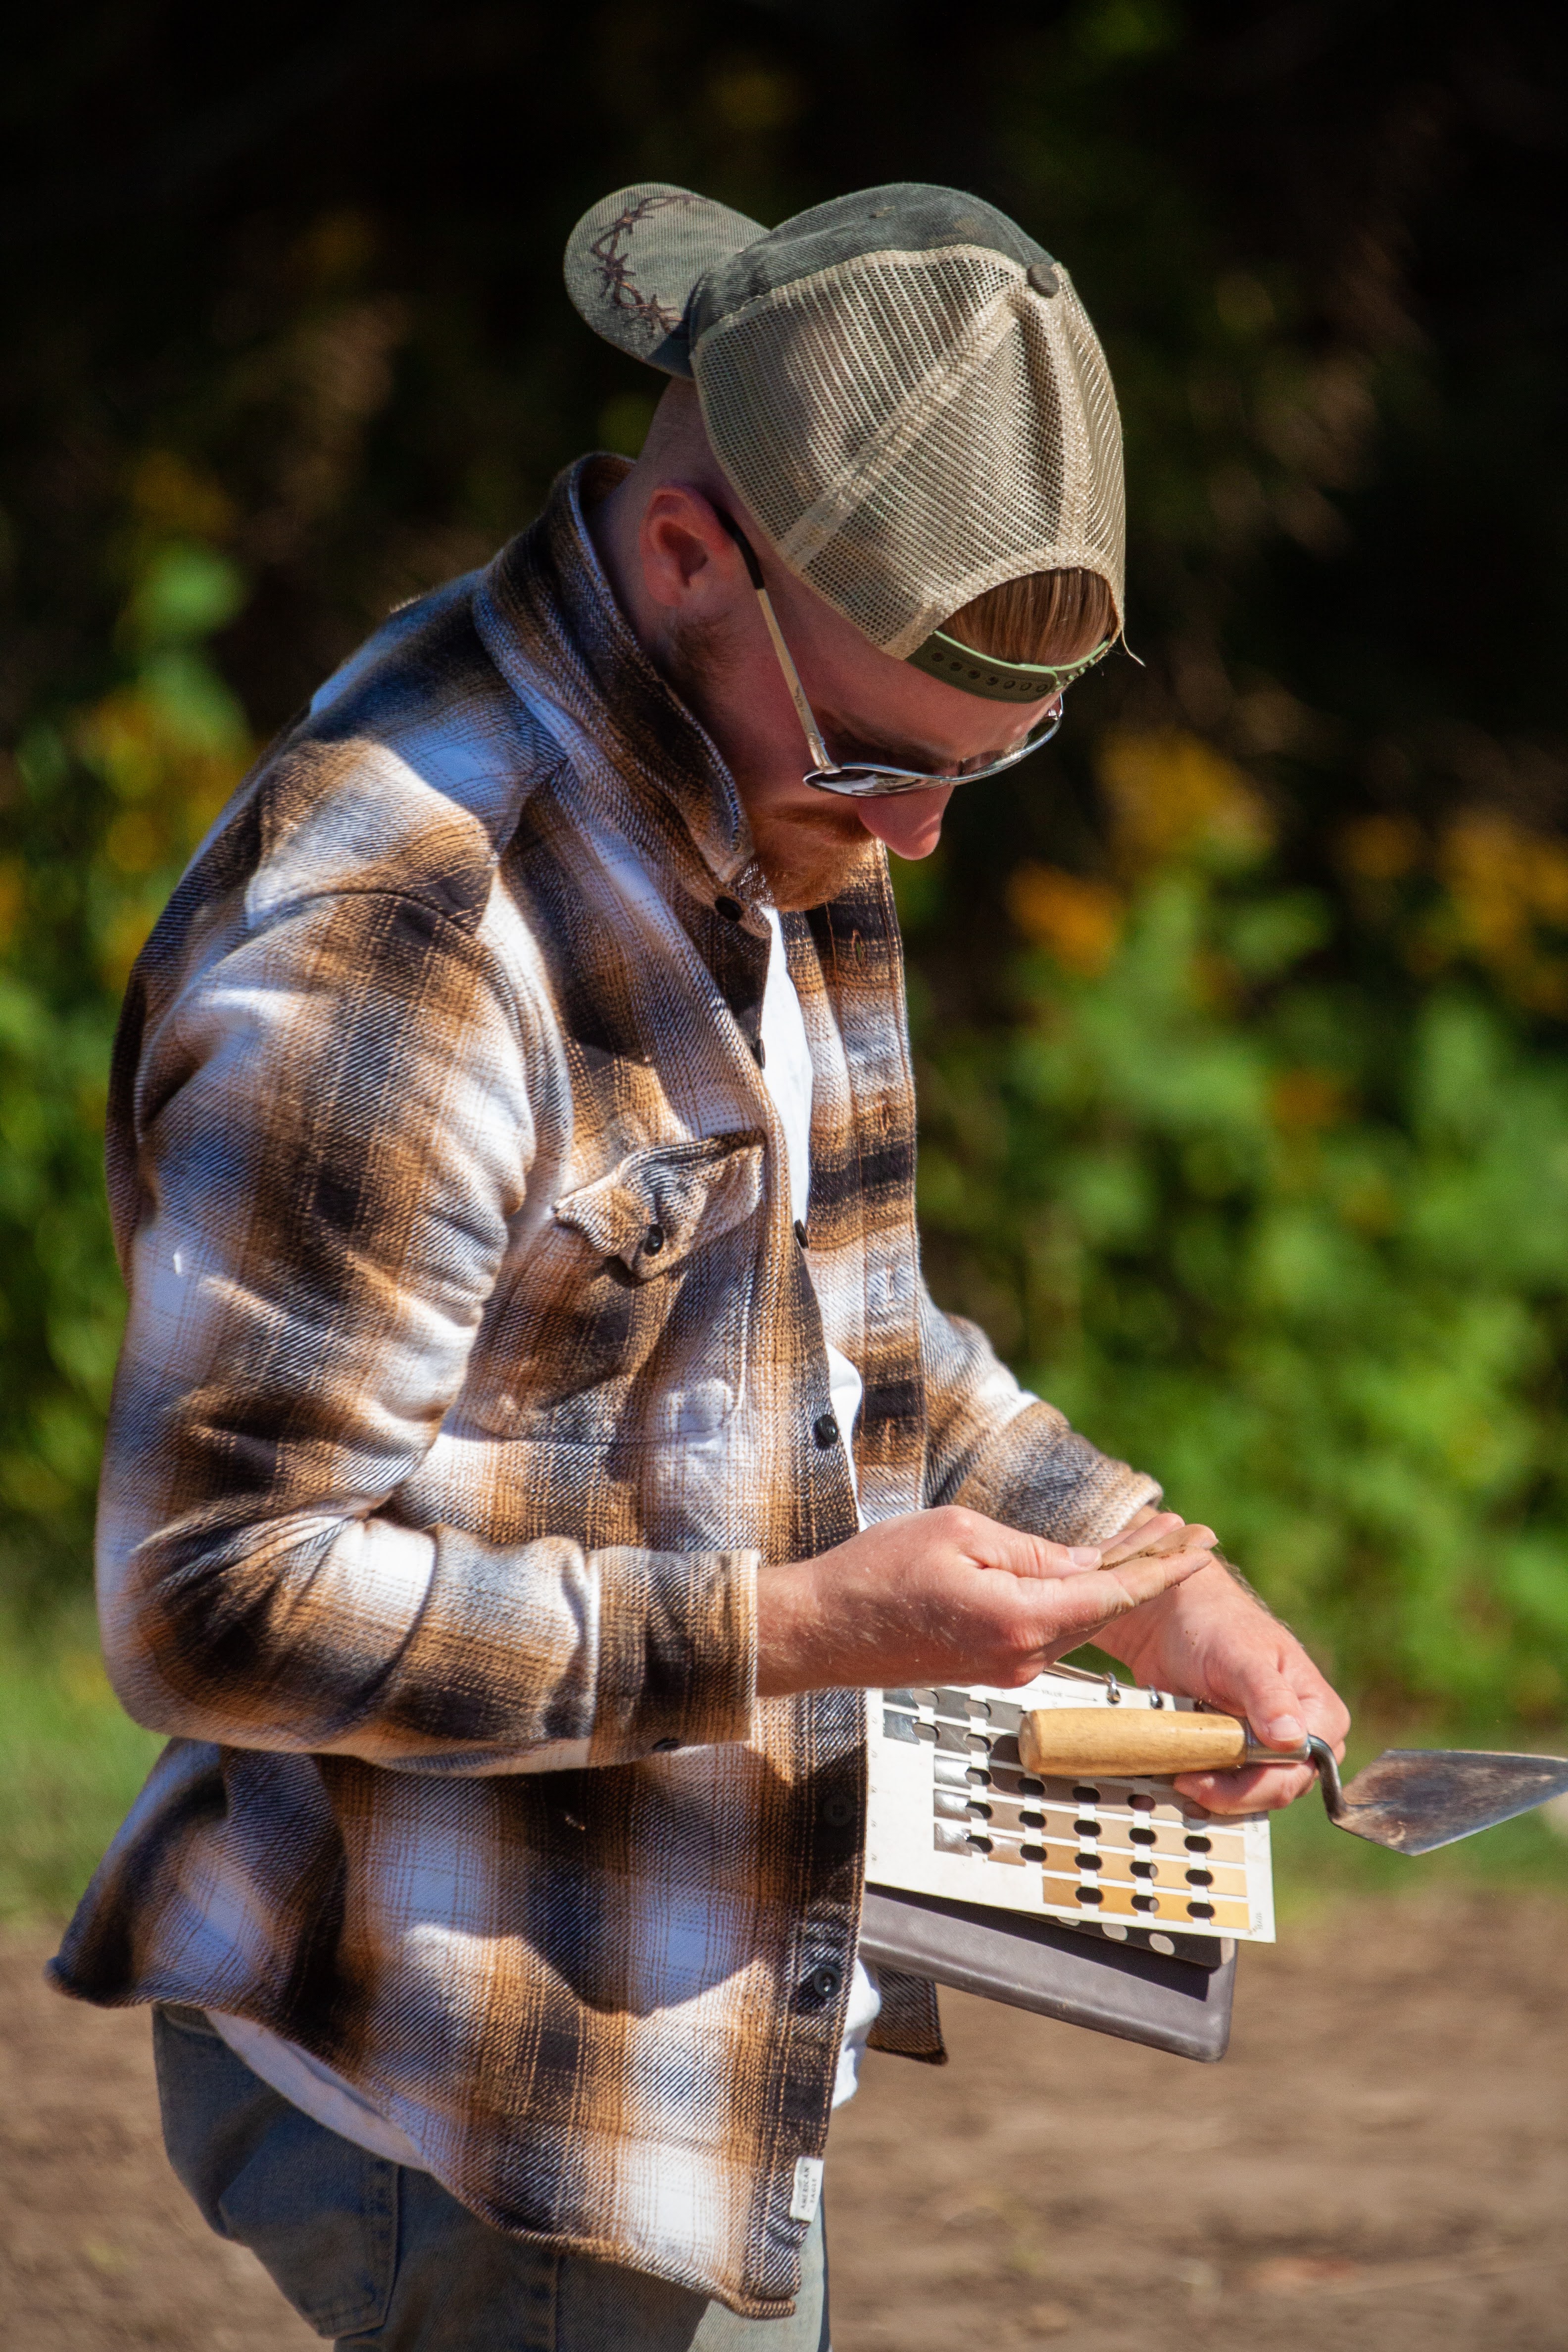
x: 650, y: 1209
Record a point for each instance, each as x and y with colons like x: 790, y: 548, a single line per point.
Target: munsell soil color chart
x: 953, y: 1813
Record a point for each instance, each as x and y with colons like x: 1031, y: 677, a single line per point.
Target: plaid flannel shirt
x: 472, y: 1368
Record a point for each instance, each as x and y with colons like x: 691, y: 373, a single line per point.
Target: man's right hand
x: 949, y: 1596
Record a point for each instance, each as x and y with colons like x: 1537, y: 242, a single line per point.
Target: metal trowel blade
x: 1413, y: 1799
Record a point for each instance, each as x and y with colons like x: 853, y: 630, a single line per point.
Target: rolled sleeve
x: 999, y: 1449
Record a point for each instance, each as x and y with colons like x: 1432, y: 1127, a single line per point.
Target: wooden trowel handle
x: 1064, y: 1741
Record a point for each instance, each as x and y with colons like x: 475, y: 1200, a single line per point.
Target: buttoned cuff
x: 678, y: 1651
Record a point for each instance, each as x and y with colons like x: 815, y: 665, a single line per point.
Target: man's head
x: 898, y: 400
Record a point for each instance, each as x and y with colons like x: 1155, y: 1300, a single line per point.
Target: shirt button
x: 838, y: 1813
x: 825, y: 1981
x: 824, y: 1429
x: 800, y: 1231
x: 653, y: 1240
x: 730, y: 908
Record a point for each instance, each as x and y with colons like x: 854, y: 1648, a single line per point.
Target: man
x: 533, y: 1435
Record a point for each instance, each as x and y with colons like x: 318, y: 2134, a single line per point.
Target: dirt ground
x: 1382, y: 2162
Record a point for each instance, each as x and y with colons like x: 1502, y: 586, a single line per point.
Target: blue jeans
x: 379, y: 2256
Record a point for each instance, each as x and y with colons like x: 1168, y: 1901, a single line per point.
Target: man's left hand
x: 1209, y: 1639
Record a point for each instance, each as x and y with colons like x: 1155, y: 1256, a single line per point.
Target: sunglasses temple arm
x: 818, y: 748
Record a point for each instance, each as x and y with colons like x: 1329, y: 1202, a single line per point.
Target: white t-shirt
x: 318, y: 2090
x: 786, y: 1073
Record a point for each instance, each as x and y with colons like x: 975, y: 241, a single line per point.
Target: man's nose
x: 909, y: 823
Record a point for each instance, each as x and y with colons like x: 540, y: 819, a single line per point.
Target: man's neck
x: 613, y: 526
x: 808, y: 856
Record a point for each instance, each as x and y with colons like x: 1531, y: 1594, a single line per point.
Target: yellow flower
x: 1302, y: 1100
x: 1381, y: 848
x: 1077, y: 921
x: 1173, y: 794
x: 1506, y: 884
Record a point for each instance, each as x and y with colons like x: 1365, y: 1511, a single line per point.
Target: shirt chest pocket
x: 625, y: 1324
x: 662, y: 1203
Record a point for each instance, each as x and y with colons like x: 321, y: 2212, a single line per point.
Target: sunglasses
x: 864, y: 780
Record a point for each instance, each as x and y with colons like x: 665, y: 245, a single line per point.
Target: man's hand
x: 949, y: 1596
x: 1209, y: 1639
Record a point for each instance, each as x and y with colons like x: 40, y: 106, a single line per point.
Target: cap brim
x: 633, y: 260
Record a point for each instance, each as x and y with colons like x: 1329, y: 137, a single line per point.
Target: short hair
x: 1045, y: 616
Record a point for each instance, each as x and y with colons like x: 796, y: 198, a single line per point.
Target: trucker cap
x: 902, y: 386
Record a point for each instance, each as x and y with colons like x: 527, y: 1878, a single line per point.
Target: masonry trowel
x: 1412, y: 1799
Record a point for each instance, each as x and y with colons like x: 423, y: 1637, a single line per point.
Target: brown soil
x: 1382, y: 2162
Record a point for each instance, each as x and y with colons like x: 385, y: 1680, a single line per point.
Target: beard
x: 807, y: 856
x: 808, y: 859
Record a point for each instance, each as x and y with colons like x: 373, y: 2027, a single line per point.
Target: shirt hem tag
x: 807, y: 2195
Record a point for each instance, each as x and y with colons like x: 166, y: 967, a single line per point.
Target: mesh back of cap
x: 912, y: 429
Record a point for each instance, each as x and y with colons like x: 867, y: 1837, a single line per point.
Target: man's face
x: 715, y: 645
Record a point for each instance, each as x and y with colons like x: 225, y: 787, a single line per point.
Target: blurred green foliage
x: 70, y: 1765
x: 1240, y: 1014
x: 153, y: 757
x: 1307, y: 1253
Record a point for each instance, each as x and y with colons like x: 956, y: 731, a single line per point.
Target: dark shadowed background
x: 1241, y: 1013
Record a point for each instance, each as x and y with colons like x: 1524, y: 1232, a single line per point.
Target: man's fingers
x: 1261, y: 1788
x: 1145, y: 1577
x: 1078, y: 1605
x: 991, y: 1545
x: 994, y: 1546
x: 1143, y: 1535
x: 1280, y: 1716
x: 1167, y: 1533
x: 1282, y: 1713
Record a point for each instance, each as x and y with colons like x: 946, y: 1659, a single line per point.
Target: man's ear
x: 690, y: 563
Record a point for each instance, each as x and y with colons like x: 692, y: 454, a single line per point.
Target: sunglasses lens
x: 872, y: 784
x: 863, y: 784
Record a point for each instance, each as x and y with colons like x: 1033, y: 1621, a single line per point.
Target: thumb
x: 1077, y: 1605
x: 1271, y: 1707
x: 995, y: 1546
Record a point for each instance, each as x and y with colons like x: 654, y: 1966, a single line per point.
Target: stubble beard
x: 807, y: 856
x: 809, y: 859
